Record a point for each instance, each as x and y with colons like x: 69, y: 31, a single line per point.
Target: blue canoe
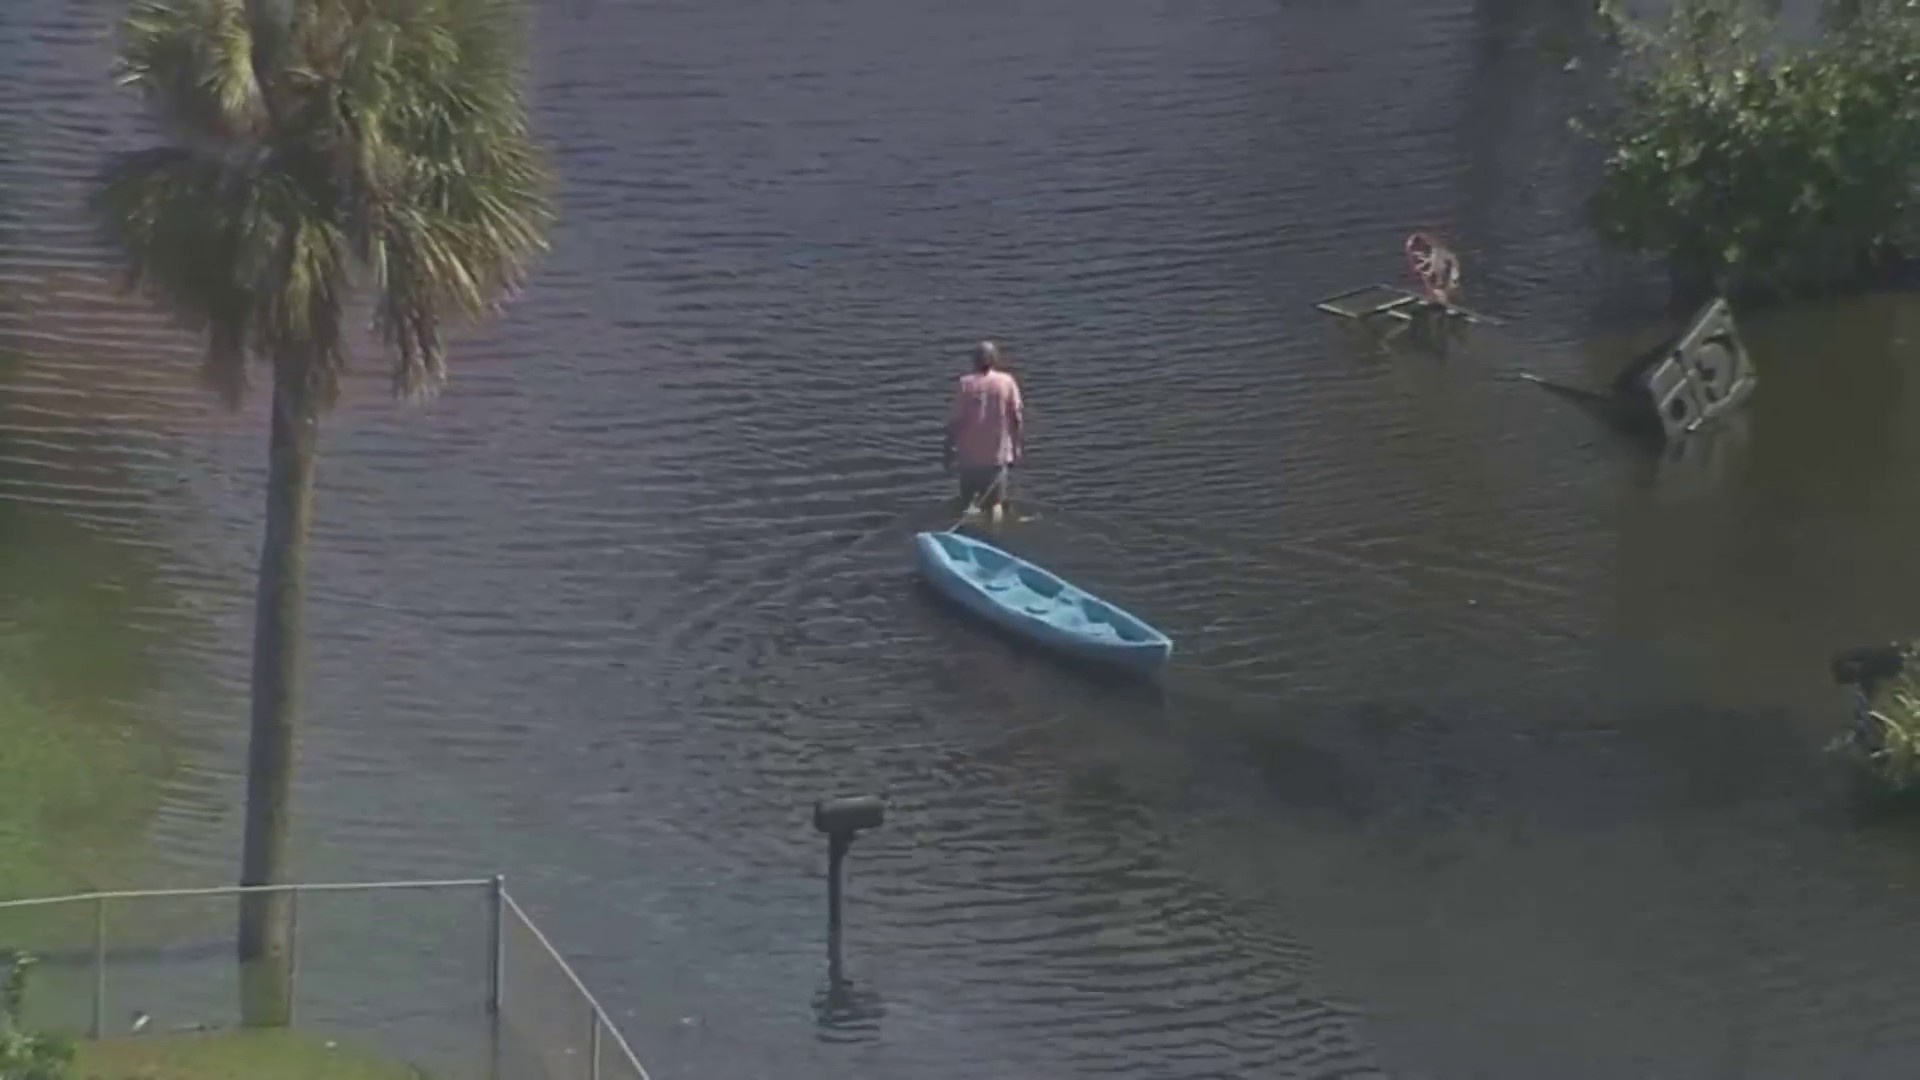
x: 1023, y: 599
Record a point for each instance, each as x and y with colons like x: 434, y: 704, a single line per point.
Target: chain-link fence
x: 450, y: 976
x: 550, y: 1026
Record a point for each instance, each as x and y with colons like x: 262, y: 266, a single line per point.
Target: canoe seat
x: 997, y: 584
x: 1039, y: 607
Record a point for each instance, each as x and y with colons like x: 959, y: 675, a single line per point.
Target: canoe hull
x: 950, y: 577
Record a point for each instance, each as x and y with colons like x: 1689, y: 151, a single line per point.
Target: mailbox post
x: 841, y: 820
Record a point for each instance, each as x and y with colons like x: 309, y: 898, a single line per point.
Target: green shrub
x: 27, y: 1055
x: 1750, y: 163
x: 1884, y: 738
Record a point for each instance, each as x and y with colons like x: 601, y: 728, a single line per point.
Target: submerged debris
x: 1698, y: 377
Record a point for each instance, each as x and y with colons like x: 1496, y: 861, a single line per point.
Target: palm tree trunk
x: 266, y: 918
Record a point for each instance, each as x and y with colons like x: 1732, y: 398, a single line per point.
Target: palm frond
x: 460, y: 197
x: 302, y: 270
x: 192, y: 60
x: 175, y: 216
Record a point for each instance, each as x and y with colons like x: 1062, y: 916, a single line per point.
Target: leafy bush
x: 1885, y: 735
x: 26, y: 1055
x: 1748, y: 162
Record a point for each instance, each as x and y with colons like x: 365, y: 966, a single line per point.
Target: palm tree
x: 317, y: 152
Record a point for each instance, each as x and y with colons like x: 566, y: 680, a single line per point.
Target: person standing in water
x: 985, y: 432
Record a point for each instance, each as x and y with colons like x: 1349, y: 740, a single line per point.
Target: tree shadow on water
x: 1416, y: 766
x: 1304, y: 777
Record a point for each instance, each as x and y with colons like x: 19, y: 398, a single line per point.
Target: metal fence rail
x: 364, y: 965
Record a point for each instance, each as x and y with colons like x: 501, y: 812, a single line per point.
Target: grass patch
x: 81, y: 768
x: 244, y: 1055
x: 79, y: 789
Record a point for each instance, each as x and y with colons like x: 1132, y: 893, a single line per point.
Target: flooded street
x: 1491, y: 746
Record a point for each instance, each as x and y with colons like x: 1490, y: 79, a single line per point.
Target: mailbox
x: 849, y: 815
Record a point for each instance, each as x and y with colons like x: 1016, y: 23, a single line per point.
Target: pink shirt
x: 985, y: 419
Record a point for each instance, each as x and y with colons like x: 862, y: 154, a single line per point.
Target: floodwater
x: 1492, y: 747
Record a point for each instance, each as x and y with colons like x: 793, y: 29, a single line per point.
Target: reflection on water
x: 848, y: 1012
x: 1491, y: 743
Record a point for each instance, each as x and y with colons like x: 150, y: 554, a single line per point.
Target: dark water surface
x: 1492, y: 745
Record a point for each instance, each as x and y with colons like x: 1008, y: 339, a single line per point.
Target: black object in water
x: 1866, y: 665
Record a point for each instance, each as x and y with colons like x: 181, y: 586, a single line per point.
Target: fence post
x: 293, y: 951
x: 593, y: 1046
x: 497, y: 962
x: 99, y: 966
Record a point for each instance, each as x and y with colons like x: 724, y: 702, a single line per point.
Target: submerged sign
x: 1691, y: 380
x: 1694, y: 378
